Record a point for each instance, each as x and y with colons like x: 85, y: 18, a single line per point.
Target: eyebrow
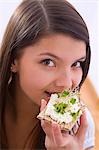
x: 81, y: 59
x: 52, y: 55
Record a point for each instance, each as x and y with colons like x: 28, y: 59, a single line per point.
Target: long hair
x: 32, y: 20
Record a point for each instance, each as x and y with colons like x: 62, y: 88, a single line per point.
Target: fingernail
x: 42, y: 101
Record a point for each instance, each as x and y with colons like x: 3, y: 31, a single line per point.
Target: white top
x: 90, y: 134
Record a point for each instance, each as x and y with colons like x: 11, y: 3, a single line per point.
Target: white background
x: 89, y: 9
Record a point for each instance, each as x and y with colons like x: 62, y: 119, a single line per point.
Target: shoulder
x: 90, y: 134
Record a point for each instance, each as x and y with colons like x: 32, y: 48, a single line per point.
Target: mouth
x: 50, y: 93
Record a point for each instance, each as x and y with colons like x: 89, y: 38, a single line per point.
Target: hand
x: 56, y: 139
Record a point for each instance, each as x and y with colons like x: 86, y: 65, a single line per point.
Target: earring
x: 10, y: 79
x: 13, y: 68
x: 12, y: 72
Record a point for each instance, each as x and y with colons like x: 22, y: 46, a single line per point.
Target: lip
x: 48, y: 95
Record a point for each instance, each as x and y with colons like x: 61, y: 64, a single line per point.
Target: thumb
x: 83, y: 127
x: 43, y: 104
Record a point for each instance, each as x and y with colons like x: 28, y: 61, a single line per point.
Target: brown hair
x: 32, y: 20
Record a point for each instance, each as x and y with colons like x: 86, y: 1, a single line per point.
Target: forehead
x: 62, y: 46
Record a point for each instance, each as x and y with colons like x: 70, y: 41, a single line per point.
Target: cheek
x: 77, y: 78
x: 33, y: 83
x: 34, y: 80
x: 32, y: 86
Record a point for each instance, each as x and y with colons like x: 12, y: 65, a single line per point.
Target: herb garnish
x: 75, y: 115
x: 63, y: 94
x: 60, y: 107
x: 72, y: 100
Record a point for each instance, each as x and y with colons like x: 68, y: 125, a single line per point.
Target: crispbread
x: 50, y: 111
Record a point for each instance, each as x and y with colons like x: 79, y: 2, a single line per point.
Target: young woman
x: 45, y: 50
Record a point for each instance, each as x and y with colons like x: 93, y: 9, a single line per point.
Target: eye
x: 48, y: 62
x: 78, y: 64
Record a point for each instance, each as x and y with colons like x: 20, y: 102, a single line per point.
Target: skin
x: 63, y: 70
x: 52, y: 64
x: 55, y: 139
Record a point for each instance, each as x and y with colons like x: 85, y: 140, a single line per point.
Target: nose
x: 64, y: 80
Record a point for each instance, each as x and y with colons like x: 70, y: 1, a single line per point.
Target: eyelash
x: 46, y: 62
x: 81, y: 63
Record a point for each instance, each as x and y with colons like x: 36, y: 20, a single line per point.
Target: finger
x: 83, y: 127
x: 47, y: 127
x: 43, y: 104
x: 58, y: 137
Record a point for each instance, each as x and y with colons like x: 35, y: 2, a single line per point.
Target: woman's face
x: 50, y: 66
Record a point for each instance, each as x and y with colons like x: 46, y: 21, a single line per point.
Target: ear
x: 14, y: 66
